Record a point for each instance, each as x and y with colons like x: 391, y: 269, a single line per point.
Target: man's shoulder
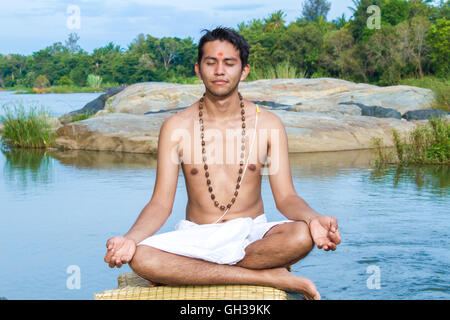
x: 180, y: 120
x: 268, y: 118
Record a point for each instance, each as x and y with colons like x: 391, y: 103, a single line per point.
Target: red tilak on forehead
x: 220, y: 53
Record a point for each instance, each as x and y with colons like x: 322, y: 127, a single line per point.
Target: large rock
x: 113, y: 132
x: 328, y: 114
x: 307, y: 132
x: 325, y: 95
x: 425, y: 114
x: 93, y: 106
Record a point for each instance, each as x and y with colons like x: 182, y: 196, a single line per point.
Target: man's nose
x: 220, y: 69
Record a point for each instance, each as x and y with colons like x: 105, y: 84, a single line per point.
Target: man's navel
x: 252, y: 167
x: 194, y: 171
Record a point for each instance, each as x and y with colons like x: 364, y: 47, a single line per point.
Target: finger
x: 118, y: 263
x: 110, y: 244
x: 108, y: 256
x: 333, y: 236
x: 325, y: 247
x: 332, y: 246
x: 337, y: 237
x: 334, y: 224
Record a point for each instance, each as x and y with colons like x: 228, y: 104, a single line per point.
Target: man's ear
x: 197, y: 71
x: 245, y: 72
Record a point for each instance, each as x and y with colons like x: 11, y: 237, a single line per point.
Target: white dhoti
x: 222, y: 243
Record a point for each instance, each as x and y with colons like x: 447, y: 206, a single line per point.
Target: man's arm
x: 156, y: 212
x: 286, y: 199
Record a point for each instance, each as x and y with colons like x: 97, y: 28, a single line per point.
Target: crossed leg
x: 264, y: 263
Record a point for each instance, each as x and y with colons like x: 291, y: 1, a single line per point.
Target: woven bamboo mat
x: 133, y: 287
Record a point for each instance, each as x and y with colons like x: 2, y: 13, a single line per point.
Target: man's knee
x: 299, y: 237
x: 144, y: 261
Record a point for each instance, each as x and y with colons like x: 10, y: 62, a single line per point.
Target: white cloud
x: 120, y: 21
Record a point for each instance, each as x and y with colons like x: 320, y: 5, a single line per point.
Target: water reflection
x: 105, y: 159
x: 26, y: 168
x: 329, y: 164
x: 430, y: 177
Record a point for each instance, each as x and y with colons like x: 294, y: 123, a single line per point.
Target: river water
x: 57, y: 209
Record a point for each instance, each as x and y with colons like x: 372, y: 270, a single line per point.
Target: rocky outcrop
x: 113, y: 132
x: 92, y: 107
x: 307, y: 132
x: 319, y: 114
x: 325, y: 95
x: 375, y: 111
x: 424, y: 114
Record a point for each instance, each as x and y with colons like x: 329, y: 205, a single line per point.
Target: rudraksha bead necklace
x: 205, y: 165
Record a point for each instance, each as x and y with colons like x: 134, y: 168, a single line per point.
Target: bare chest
x: 228, y: 152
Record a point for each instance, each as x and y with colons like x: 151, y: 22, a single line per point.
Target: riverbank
x: 55, y: 89
x: 323, y: 114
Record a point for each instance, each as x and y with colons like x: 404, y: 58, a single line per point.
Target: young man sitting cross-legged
x: 225, y: 238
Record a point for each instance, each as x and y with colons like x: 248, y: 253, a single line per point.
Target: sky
x: 27, y: 26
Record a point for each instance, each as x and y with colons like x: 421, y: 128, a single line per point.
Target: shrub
x: 94, y: 81
x: 426, y: 144
x: 65, y: 81
x: 42, y: 81
x: 26, y: 129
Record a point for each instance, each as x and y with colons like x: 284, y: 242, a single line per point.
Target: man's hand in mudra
x: 120, y: 251
x: 325, y: 233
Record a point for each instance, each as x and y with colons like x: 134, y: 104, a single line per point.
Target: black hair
x: 225, y: 34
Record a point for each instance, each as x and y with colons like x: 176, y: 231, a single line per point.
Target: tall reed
x: 282, y: 70
x: 94, y: 81
x: 26, y: 129
x: 425, y: 144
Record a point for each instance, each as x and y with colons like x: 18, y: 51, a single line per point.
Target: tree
x: 72, y: 43
x: 300, y: 46
x: 275, y: 21
x: 335, y: 45
x: 340, y: 22
x: 167, y: 50
x: 358, y: 25
x: 412, y: 45
x: 385, y: 60
x: 394, y: 11
x: 312, y: 9
x: 439, y: 41
x: 42, y: 81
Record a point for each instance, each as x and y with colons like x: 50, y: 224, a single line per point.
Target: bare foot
x: 285, y: 280
x: 154, y: 284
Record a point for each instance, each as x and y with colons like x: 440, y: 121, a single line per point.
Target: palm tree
x: 275, y: 20
x: 356, y: 3
x: 340, y: 22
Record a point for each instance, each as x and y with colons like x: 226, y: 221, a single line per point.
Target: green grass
x: 64, y: 89
x: 59, y: 89
x: 282, y: 70
x: 26, y: 129
x: 94, y: 81
x: 83, y: 116
x: 425, y: 144
x: 440, y: 87
x: 184, y: 80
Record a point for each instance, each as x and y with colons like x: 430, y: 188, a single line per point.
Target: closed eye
x: 227, y: 64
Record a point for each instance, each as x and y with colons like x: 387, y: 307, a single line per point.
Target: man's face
x: 220, y: 68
